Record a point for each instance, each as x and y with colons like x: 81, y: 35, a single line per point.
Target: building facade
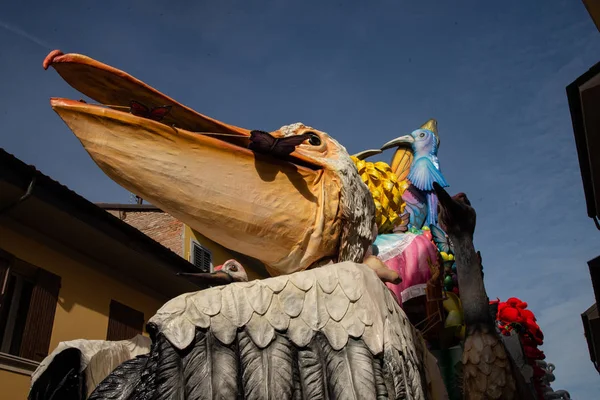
x: 180, y: 238
x: 583, y: 95
x: 71, y: 270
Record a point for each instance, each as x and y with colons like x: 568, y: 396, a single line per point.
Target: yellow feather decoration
x: 386, y: 190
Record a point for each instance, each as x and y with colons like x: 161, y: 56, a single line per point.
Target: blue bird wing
x: 423, y: 173
x: 416, y: 206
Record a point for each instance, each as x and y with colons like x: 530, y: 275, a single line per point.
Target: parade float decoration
x: 513, y: 319
x: 364, y: 283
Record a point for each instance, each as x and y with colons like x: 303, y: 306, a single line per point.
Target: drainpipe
x: 21, y: 199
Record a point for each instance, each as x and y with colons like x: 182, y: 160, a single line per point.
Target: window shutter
x: 40, y: 319
x: 4, y: 268
x: 4, y: 264
x: 201, y: 257
x: 123, y: 322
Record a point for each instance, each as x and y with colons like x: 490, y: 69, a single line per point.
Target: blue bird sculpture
x: 416, y: 160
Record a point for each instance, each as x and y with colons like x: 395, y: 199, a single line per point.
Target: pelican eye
x: 313, y: 139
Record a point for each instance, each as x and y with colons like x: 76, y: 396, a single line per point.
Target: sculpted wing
x: 331, y: 332
x: 75, y: 368
x: 403, y: 158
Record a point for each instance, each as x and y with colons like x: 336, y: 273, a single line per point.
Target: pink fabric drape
x: 410, y: 259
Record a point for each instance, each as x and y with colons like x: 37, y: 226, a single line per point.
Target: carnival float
x: 375, y: 290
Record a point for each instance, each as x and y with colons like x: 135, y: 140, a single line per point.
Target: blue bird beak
x: 367, y: 153
x: 401, y: 141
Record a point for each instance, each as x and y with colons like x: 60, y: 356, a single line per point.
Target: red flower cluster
x: 513, y: 315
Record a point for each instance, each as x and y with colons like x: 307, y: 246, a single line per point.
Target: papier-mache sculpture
x: 347, y: 244
x: 288, y: 213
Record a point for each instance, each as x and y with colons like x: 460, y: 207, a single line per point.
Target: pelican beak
x: 216, y: 278
x: 199, y: 169
x: 401, y: 141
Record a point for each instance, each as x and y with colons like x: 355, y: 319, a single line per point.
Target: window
x: 201, y: 257
x: 123, y: 322
x: 28, y: 297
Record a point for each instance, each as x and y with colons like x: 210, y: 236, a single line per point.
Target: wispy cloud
x: 564, y: 345
x: 20, y: 32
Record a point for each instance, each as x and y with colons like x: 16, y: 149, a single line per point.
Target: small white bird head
x: 230, y: 271
x: 234, y: 269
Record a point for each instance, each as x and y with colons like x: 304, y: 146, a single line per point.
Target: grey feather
x: 121, y: 383
x: 394, y: 373
x: 358, y: 214
x: 193, y: 361
x: 169, y: 372
x: 147, y: 384
x: 380, y: 384
x: 297, y: 395
x: 312, y: 371
x: 266, y: 373
x: 349, y: 370
x: 407, y: 385
x: 62, y: 379
x: 209, y: 369
x: 413, y: 379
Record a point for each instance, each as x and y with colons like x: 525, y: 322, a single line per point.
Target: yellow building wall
x: 593, y: 8
x: 13, y: 386
x: 220, y: 254
x: 82, y: 311
x: 85, y: 294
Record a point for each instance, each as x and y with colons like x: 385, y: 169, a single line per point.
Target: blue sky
x: 492, y: 73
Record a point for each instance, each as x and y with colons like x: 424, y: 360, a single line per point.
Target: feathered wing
x: 311, y: 366
x: 333, y: 332
x: 209, y: 368
x: 394, y: 375
x: 381, y: 386
x: 401, y: 161
x: 103, y: 363
x: 423, y: 173
x: 122, y: 382
x: 94, y: 360
x: 62, y: 379
x: 349, y: 371
x: 168, y: 372
x: 266, y: 373
x: 415, y: 200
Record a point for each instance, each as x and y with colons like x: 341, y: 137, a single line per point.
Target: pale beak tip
x: 402, y: 140
x: 367, y: 153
